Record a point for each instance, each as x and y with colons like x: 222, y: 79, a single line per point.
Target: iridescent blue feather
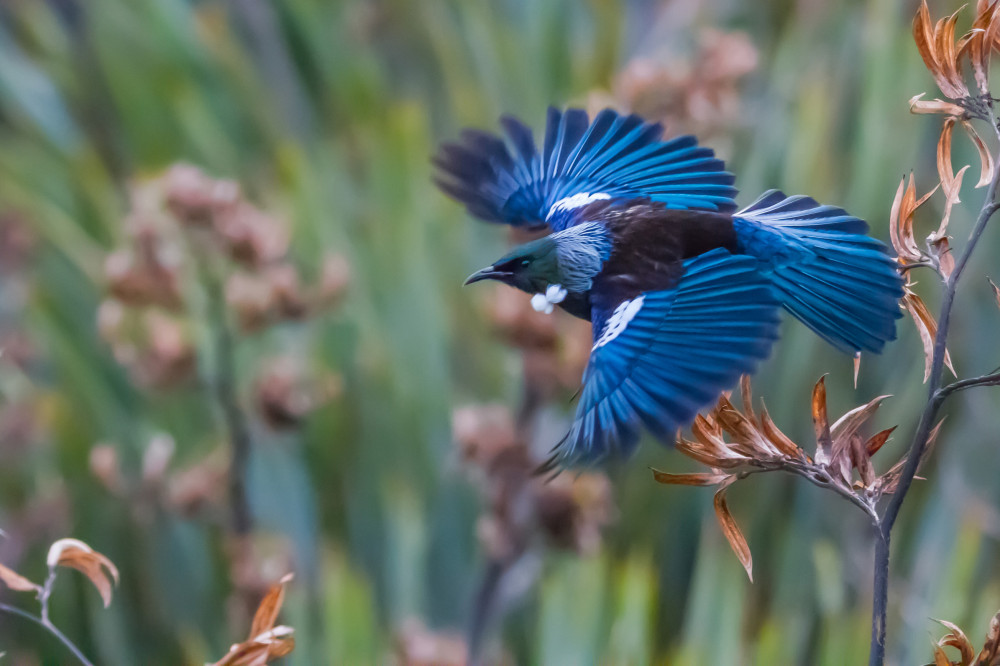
x: 679, y: 350
x: 842, y: 284
x: 616, y: 155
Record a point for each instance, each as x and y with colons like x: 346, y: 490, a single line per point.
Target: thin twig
x: 986, y: 380
x: 51, y: 628
x: 935, y: 398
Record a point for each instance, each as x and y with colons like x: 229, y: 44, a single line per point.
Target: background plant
x: 325, y: 114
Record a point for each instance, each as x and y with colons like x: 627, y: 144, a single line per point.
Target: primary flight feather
x: 683, y: 291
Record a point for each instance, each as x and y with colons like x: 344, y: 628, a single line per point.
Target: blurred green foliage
x: 327, y: 112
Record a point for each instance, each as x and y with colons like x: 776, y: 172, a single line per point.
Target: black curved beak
x: 488, y: 273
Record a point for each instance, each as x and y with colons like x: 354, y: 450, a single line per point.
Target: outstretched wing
x: 662, y: 356
x: 615, y: 156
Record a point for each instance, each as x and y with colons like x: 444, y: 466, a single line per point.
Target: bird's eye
x: 525, y: 262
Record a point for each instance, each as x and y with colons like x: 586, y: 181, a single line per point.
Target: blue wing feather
x: 677, y: 353
x: 841, y: 283
x: 621, y: 156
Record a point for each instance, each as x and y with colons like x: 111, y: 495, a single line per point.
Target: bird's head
x: 531, y: 267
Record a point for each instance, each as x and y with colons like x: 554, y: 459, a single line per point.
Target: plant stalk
x: 935, y: 398
x: 51, y: 628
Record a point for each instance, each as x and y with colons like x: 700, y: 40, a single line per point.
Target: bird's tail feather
x: 827, y: 272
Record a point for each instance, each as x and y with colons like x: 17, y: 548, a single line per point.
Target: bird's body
x: 683, y: 290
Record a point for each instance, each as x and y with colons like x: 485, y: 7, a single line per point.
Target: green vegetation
x: 327, y: 113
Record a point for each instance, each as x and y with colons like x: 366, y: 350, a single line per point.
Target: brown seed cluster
x: 191, y: 238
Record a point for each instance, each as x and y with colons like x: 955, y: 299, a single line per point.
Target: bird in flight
x: 682, y: 289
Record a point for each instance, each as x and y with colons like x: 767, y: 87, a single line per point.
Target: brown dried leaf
x: 904, y: 206
x: 75, y: 554
x: 985, y: 156
x: 266, y: 641
x: 951, y: 193
x: 861, y: 460
x: 694, y: 479
x: 821, y: 425
x: 732, y: 531
x: 941, y: 249
x: 270, y: 606
x: 16, y: 581
x: 779, y: 439
x: 923, y: 35
x: 934, y: 107
x: 978, y: 43
x: 948, y: 60
x: 941, y: 657
x: 945, y: 170
x: 938, y: 49
x: 927, y: 328
x: 958, y: 640
x: 849, y: 423
x: 878, y: 440
x: 262, y: 649
x: 747, y: 440
x: 747, y: 396
x: 991, y: 648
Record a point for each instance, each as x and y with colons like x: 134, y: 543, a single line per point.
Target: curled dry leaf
x: 979, y: 43
x: 927, y: 328
x: 75, y: 554
x: 934, y: 106
x: 941, y: 657
x: 876, y: 441
x: 262, y: 649
x: 940, y: 53
x: 985, y: 155
x: 266, y: 642
x: 991, y: 647
x: 945, y: 170
x: 270, y: 606
x: 16, y: 581
x: 732, y: 531
x: 904, y: 205
x: 957, y: 639
x: 694, y: 479
x: 951, y: 192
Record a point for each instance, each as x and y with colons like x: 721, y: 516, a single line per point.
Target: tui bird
x: 683, y: 291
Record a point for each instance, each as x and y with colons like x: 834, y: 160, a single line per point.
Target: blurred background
x: 218, y: 232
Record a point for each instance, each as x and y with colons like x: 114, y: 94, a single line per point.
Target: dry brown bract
x: 75, y: 554
x: 736, y: 444
x: 956, y: 638
x: 266, y: 642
